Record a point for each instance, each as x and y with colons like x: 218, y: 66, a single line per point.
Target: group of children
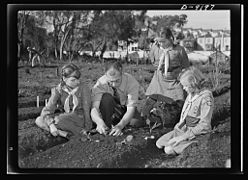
x: 100, y: 109
x: 111, y: 104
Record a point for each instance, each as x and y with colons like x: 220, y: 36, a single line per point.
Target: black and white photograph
x: 124, y: 88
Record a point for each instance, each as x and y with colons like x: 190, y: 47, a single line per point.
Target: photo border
x: 12, y: 86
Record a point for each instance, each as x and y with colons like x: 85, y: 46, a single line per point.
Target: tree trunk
x: 62, y: 44
x: 103, y: 49
x: 19, y: 51
x: 70, y: 56
x: 55, y: 53
x: 127, y: 52
x: 94, y: 53
x: 61, y: 51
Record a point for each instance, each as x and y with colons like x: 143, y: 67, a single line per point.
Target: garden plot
x: 38, y: 149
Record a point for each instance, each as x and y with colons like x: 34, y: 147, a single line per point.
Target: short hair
x: 113, y: 64
x: 70, y: 70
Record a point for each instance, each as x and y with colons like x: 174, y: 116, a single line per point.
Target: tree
x: 107, y: 27
x: 122, y: 26
x: 21, y: 24
x: 30, y: 33
x: 168, y: 21
x: 75, y: 40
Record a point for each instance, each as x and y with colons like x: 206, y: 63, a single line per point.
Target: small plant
x: 155, y: 125
x: 216, y: 74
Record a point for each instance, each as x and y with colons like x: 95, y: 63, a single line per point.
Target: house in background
x: 205, y: 42
x: 207, y: 39
x: 122, y: 46
x: 214, y: 33
x: 227, y: 43
x: 222, y: 42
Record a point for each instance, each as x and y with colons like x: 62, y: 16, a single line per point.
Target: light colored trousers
x: 163, y: 141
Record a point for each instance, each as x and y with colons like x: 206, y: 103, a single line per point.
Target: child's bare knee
x: 159, y: 144
x: 39, y: 121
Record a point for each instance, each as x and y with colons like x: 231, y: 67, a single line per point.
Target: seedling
x: 155, y: 125
x: 87, y: 134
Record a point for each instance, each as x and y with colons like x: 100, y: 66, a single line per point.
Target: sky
x: 215, y: 19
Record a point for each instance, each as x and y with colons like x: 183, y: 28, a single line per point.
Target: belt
x: 189, y: 121
x: 171, y: 69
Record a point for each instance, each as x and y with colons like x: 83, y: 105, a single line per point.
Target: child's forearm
x: 127, y: 117
x: 96, y: 116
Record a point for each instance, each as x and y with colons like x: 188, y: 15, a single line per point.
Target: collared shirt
x: 200, y: 107
x: 128, y: 90
x: 58, y: 97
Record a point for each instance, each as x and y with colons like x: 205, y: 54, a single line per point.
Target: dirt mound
x: 100, y: 151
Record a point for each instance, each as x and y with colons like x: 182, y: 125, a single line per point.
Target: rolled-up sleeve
x: 204, y: 125
x: 52, y: 102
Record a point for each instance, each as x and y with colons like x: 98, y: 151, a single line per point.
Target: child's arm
x: 52, y: 103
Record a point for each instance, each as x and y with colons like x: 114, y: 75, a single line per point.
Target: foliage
x: 154, y: 126
x: 169, y: 21
x: 95, y: 30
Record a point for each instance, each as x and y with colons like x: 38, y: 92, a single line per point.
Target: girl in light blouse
x: 195, y: 117
x: 73, y: 97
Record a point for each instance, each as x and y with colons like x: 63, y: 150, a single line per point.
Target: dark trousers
x: 111, y: 110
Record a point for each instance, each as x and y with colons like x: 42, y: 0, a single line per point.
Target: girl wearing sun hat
x: 196, y: 114
x: 73, y: 97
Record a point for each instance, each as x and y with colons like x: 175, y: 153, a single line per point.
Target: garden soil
x: 39, y: 149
